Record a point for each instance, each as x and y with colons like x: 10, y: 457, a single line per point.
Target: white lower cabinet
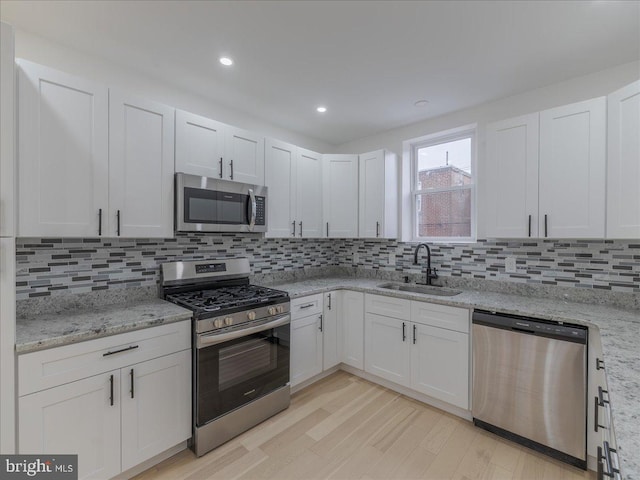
x: 331, y: 351
x: 411, y: 348
x: 306, y: 348
x: 75, y: 418
x: 155, y: 399
x: 352, y: 328
x: 118, y: 418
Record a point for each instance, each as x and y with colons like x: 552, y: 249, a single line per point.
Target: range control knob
x: 218, y: 323
x: 272, y: 310
x: 228, y: 321
x: 280, y: 308
x: 251, y: 315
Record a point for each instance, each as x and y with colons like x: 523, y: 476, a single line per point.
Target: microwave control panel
x: 260, y: 210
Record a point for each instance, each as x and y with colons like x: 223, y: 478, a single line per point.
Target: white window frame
x: 469, y: 131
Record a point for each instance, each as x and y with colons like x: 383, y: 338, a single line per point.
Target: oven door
x: 236, y: 367
x: 212, y: 205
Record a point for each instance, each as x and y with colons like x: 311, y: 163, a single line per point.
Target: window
x: 443, y: 186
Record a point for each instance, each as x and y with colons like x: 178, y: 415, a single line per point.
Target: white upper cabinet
x: 63, y: 154
x: 212, y: 149
x: 199, y: 145
x: 378, y: 202
x: 512, y: 173
x: 280, y: 174
x: 340, y: 195
x: 141, y: 167
x: 294, y: 178
x: 572, y: 170
x: 623, y: 175
x: 244, y: 156
x: 7, y: 150
x: 308, y: 193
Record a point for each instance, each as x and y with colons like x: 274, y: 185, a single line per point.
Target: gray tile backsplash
x: 54, y: 266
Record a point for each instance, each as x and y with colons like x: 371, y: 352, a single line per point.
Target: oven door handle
x: 203, y: 341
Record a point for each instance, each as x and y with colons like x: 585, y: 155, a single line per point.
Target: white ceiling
x: 367, y: 61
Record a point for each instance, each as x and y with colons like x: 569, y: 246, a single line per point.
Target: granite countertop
x: 619, y: 331
x: 46, y: 330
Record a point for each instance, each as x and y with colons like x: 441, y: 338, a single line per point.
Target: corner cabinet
x: 340, y: 195
x: 623, y: 163
x: 213, y: 149
x: 141, y: 145
x: 113, y: 405
x: 293, y: 176
x: 63, y: 154
x: 100, y: 161
x: 378, y: 202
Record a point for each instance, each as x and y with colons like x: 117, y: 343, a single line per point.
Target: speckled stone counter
x: 619, y: 330
x: 46, y: 330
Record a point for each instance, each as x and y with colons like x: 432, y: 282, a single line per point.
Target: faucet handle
x: 435, y: 272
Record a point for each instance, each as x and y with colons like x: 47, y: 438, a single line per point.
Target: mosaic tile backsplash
x: 49, y: 267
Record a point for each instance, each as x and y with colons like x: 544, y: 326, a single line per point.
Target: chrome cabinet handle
x: 99, y: 222
x: 414, y: 334
x: 131, y: 376
x: 377, y: 229
x: 300, y: 228
x: 545, y: 226
x: 321, y: 323
x: 308, y: 305
x: 231, y: 166
x: 294, y: 228
x: 327, y: 229
x: 220, y: 167
x: 599, y: 364
x: 329, y: 306
x: 252, y: 215
x: 404, y: 331
x: 118, y: 222
x: 529, y: 225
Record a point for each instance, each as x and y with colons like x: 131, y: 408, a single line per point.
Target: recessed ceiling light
x: 321, y: 109
x: 226, y: 61
x: 421, y: 103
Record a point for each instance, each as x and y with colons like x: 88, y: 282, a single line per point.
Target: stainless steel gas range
x: 241, y: 346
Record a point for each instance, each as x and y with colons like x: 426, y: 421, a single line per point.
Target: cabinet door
x: 512, y: 173
x: 387, y: 348
x: 572, y: 170
x: 372, y: 194
x: 280, y: 169
x: 623, y: 160
x: 156, y: 406
x: 340, y: 195
x: 352, y: 328
x: 75, y: 418
x: 330, y: 331
x: 199, y: 145
x: 440, y: 364
x: 308, y: 194
x: 141, y: 167
x: 244, y: 156
x: 7, y: 133
x: 306, y: 348
x: 63, y: 154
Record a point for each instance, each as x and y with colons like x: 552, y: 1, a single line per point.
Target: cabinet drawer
x: 56, y: 366
x: 305, y: 306
x: 441, y: 316
x: 388, y: 306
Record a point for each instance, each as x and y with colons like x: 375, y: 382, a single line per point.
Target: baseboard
x: 439, y: 404
x: 314, y: 379
x: 132, y: 472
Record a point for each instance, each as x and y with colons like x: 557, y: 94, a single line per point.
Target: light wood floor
x: 344, y: 427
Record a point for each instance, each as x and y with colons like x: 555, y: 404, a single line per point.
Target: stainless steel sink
x: 426, y: 289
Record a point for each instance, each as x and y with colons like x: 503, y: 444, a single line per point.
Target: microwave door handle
x: 252, y: 211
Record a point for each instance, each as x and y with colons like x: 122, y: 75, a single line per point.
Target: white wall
x: 40, y: 50
x: 581, y: 88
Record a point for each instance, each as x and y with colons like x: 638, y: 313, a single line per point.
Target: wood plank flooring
x: 344, y: 427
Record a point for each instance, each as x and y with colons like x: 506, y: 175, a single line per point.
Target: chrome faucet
x: 431, y: 274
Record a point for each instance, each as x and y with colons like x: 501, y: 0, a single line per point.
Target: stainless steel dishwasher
x: 530, y: 383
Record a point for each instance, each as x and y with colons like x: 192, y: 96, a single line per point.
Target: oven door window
x: 215, y: 207
x: 236, y: 372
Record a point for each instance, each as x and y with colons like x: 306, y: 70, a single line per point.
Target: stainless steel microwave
x: 212, y: 205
